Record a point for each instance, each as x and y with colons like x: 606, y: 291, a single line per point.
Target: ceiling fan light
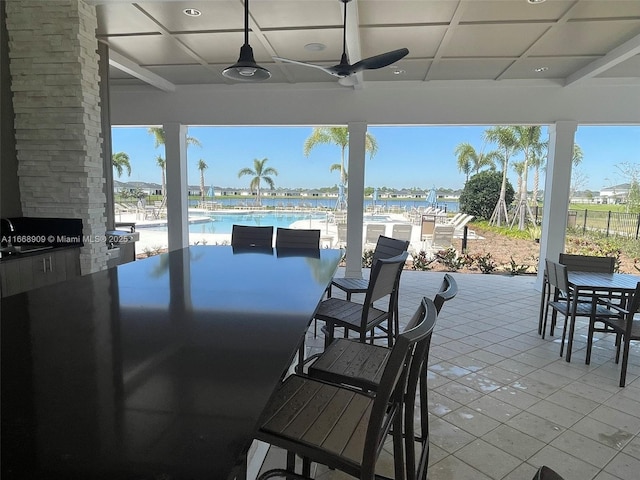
x: 246, y: 69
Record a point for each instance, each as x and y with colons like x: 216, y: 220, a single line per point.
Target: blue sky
x: 407, y: 156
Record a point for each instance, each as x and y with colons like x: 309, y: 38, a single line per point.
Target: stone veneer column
x: 55, y: 84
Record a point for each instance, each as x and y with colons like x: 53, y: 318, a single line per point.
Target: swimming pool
x: 221, y: 223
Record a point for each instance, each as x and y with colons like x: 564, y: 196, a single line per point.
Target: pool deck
x: 154, y: 240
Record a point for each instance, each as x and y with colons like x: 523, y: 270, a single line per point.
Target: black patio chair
x: 624, y: 325
x: 342, y: 428
x: 364, y: 318
x: 250, y: 236
x: 297, y: 238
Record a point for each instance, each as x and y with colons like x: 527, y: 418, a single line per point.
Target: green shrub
x: 481, y: 193
x: 421, y: 261
x: 515, y: 268
x: 367, y: 258
x: 451, y: 260
x: 484, y: 262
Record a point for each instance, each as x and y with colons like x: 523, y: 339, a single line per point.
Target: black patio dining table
x: 159, y: 368
x: 595, y: 284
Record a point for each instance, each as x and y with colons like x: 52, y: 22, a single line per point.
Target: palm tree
x: 529, y: 142
x: 159, y: 136
x: 469, y: 159
x: 162, y: 163
x: 121, y: 162
x: 259, y: 173
x: 202, y: 166
x: 518, y: 167
x: 505, y: 138
x: 338, y: 136
x: 538, y: 160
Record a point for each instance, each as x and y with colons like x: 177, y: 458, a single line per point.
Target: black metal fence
x: 609, y: 223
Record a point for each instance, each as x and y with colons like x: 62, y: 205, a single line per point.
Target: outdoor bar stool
x: 360, y: 365
x: 345, y: 429
x: 386, y: 247
x: 364, y: 318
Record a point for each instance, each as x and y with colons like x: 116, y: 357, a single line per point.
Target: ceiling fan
x: 344, y: 68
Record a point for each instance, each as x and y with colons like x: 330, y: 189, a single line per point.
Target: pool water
x: 221, y: 223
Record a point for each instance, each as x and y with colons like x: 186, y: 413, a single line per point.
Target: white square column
x: 556, y: 193
x: 355, y: 194
x: 177, y: 193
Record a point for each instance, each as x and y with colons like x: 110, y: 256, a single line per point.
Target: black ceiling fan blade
x: 379, y: 61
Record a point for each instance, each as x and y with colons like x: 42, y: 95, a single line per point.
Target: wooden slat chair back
x: 624, y: 325
x: 251, y: 236
x: 364, y: 318
x: 427, y: 226
x: 297, y: 238
x: 340, y: 427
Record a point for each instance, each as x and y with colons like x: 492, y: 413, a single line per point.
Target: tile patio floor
x: 501, y: 400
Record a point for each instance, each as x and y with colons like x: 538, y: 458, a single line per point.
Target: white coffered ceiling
x: 567, y: 41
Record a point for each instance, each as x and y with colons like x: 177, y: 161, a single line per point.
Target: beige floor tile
x: 555, y: 413
x: 447, y: 436
x: 514, y: 442
x: 515, y: 396
x: 584, y: 448
x: 567, y: 465
x: 616, y: 418
x: 624, y: 466
x: 601, y: 432
x: 633, y: 448
x: 479, y: 382
x: 494, y: 408
x: 491, y: 461
x: 566, y: 398
x: 471, y: 421
x: 535, y: 426
x: 451, y: 468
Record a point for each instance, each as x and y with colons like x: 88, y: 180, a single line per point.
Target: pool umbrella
x: 432, y: 197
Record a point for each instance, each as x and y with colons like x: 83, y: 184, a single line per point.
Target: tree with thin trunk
x: 338, y: 136
x: 476, y: 160
x: 121, y: 162
x: 528, y: 138
x: 162, y: 163
x: 507, y: 145
x: 518, y: 167
x: 259, y: 173
x: 160, y: 139
x: 202, y: 166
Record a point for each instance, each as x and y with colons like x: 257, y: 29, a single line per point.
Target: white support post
x: 355, y: 194
x: 556, y: 193
x: 177, y: 193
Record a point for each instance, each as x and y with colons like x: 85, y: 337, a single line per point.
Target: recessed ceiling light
x: 192, y: 12
x: 315, y: 47
x: 541, y: 69
x: 534, y: 2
